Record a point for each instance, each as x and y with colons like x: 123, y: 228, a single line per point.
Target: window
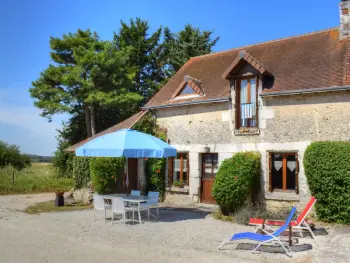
x: 187, y: 91
x: 179, y: 168
x: 210, y: 165
x: 283, y: 172
x: 246, y: 103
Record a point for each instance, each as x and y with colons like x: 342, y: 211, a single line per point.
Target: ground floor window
x: 178, y: 169
x: 283, y: 171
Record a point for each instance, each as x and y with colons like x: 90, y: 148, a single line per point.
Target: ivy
x: 104, y: 173
x: 81, y: 172
x: 155, y: 167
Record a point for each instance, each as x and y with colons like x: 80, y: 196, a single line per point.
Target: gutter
x: 187, y: 103
x: 304, y: 91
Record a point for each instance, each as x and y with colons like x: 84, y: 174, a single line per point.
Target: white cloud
x: 28, y: 118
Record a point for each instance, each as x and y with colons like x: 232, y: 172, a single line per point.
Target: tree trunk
x: 93, y: 123
x: 87, y: 120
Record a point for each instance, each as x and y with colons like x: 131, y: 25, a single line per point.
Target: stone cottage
x: 274, y: 97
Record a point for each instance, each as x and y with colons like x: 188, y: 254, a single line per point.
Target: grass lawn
x: 49, y: 206
x: 37, y: 178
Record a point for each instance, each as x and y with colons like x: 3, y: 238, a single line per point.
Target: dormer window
x: 189, y: 88
x: 186, y: 91
x: 246, y: 103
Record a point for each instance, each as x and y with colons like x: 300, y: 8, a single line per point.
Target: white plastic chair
x: 100, y: 205
x: 118, y: 207
x: 152, y: 203
x: 135, y: 193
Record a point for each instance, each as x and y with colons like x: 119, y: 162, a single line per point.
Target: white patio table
x: 130, y: 199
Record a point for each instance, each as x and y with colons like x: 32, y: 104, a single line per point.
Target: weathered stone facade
x: 286, y: 123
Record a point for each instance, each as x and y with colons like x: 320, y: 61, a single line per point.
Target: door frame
x: 202, y: 177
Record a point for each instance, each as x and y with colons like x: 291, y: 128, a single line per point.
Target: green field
x: 38, y: 178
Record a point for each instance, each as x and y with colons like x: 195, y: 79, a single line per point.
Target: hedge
x: 81, y: 171
x: 104, y: 173
x: 156, y: 176
x: 237, y: 180
x: 327, y: 168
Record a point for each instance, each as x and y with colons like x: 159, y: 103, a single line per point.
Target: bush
x: 81, y: 172
x: 10, y: 155
x: 156, y: 176
x: 237, y: 180
x: 63, y: 161
x: 253, y: 210
x: 104, y: 173
x: 327, y: 168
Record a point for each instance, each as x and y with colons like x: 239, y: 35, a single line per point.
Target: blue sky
x: 26, y: 26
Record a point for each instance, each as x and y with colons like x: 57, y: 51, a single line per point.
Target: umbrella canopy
x: 128, y: 143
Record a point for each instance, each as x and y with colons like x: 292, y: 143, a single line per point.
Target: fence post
x: 13, y: 178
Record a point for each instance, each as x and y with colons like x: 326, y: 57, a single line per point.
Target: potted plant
x: 59, y: 193
x: 179, y: 184
x: 59, y: 201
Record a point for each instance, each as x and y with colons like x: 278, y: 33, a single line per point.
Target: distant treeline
x: 39, y: 159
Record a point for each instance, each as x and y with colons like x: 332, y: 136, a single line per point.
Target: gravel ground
x: 187, y: 236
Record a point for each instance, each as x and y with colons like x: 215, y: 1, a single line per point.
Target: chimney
x: 344, y: 30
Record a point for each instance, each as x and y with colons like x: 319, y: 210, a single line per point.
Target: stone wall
x: 287, y: 123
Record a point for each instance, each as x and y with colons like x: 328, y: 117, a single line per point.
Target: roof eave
x: 304, y: 91
x: 224, y: 99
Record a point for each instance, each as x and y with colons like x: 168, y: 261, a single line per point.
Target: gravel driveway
x: 178, y: 236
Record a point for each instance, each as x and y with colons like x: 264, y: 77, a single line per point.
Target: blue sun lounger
x: 269, y: 237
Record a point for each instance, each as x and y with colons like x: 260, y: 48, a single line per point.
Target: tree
x: 86, y: 73
x: 189, y: 42
x: 145, y: 63
x: 10, y: 155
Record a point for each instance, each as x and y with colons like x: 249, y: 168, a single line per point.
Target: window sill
x: 282, y: 196
x: 247, y: 131
x: 174, y: 189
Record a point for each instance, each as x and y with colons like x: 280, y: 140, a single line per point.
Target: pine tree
x: 86, y: 73
x: 189, y: 42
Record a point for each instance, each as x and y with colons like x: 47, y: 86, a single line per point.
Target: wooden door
x: 121, y: 181
x: 209, y: 169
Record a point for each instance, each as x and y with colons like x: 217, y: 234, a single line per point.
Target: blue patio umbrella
x: 128, y: 143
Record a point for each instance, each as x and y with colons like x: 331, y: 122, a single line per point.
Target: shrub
x: 104, y: 173
x: 10, y: 155
x: 327, y: 168
x: 156, y: 176
x: 254, y: 210
x: 237, y: 180
x: 81, y: 172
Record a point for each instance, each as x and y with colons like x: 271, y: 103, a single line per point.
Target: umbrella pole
x: 127, y: 176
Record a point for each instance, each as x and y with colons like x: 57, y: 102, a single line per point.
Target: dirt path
x: 178, y: 236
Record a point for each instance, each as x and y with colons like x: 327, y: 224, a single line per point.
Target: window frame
x: 212, y: 165
x: 284, y: 171
x: 238, y: 82
x: 171, y: 160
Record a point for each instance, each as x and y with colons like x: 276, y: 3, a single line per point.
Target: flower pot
x: 59, y: 201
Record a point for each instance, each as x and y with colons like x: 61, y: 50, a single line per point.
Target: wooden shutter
x: 170, y: 170
x: 296, y: 174
x: 237, y: 104
x: 270, y: 171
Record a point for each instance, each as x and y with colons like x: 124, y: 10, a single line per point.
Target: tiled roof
x: 315, y: 60
x: 126, y: 124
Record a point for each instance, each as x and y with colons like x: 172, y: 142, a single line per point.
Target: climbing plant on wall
x: 155, y: 167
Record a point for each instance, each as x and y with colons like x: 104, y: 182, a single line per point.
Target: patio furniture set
x: 271, y: 235
x: 124, y: 203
